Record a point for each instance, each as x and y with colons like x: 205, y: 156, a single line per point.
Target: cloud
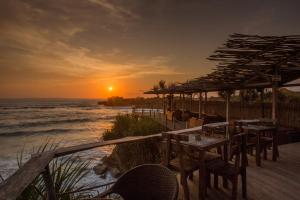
x: 32, y: 51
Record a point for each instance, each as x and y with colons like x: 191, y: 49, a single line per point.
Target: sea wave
x: 55, y: 121
x: 47, y: 131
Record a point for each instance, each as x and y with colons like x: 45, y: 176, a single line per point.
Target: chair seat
x: 192, y: 165
x: 266, y: 139
x: 209, y: 156
x: 222, y: 168
x: 188, y: 165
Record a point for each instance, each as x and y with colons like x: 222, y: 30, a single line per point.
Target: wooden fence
x: 288, y: 113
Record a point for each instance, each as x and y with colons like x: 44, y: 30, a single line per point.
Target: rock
x: 115, y: 172
x: 100, y: 169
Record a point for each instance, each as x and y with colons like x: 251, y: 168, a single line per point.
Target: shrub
x: 127, y: 156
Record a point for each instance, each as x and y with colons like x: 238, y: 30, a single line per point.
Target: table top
x: 248, y: 120
x: 187, y: 130
x: 259, y: 127
x: 266, y: 120
x: 206, y: 143
x: 216, y: 125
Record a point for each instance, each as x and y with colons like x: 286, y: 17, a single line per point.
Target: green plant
x: 126, y: 156
x: 66, y: 173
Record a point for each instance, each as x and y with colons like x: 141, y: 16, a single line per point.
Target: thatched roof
x: 248, y: 61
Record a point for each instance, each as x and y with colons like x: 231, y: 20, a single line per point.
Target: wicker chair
x: 147, y: 182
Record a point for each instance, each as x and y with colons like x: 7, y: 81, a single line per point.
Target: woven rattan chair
x: 147, y: 182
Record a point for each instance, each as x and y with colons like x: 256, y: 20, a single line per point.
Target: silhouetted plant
x: 66, y: 173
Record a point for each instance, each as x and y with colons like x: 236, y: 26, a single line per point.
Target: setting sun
x: 110, y: 88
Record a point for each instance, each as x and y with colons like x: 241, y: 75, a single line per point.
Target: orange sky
x: 77, y: 49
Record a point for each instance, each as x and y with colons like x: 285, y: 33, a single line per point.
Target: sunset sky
x: 81, y: 48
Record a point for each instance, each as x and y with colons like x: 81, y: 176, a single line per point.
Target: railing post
x: 166, y: 122
x: 49, y: 184
x: 173, y: 121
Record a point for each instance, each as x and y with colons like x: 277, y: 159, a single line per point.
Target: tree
x: 223, y: 94
x: 162, y: 84
x: 155, y: 89
x: 249, y: 95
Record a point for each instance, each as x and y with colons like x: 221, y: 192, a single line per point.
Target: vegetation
x: 126, y: 156
x: 66, y: 173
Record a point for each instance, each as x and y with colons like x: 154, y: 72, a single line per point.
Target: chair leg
x: 191, y: 176
x: 265, y: 152
x: 208, y: 183
x: 244, y: 183
x: 216, y: 181
x: 234, y: 187
x: 225, y: 183
x: 251, y: 151
x: 185, y: 187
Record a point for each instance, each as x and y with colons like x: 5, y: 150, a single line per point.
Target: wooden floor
x: 274, y: 180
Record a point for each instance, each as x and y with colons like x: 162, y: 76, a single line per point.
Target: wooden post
x: 164, y: 104
x: 173, y: 122
x: 262, y: 103
x: 227, y: 111
x: 191, y: 102
x: 49, y: 184
x: 275, y: 80
x: 183, y: 102
x: 180, y: 101
x: 200, y: 104
x: 274, y: 102
x: 205, y: 104
x: 166, y: 122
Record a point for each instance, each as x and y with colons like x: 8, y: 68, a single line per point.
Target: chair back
x: 147, y: 182
x: 236, y: 150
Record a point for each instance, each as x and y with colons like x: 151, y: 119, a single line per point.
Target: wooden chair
x: 184, y: 159
x: 231, y: 171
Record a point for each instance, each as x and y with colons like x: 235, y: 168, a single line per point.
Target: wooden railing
x: 13, y: 186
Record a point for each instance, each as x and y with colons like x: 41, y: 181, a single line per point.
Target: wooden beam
x: 12, y: 187
x: 73, y: 149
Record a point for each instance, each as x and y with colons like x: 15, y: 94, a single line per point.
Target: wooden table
x: 259, y: 130
x: 205, y: 144
x: 212, y: 127
x: 247, y: 121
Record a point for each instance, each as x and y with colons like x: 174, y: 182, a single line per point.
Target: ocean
x: 29, y: 123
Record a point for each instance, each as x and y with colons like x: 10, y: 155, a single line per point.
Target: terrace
x: 245, y: 62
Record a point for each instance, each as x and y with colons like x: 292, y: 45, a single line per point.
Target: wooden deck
x: 274, y: 180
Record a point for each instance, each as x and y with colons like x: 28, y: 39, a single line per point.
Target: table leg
x: 202, y: 186
x: 225, y: 182
x: 258, y: 146
x: 275, y: 151
x: 243, y: 167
